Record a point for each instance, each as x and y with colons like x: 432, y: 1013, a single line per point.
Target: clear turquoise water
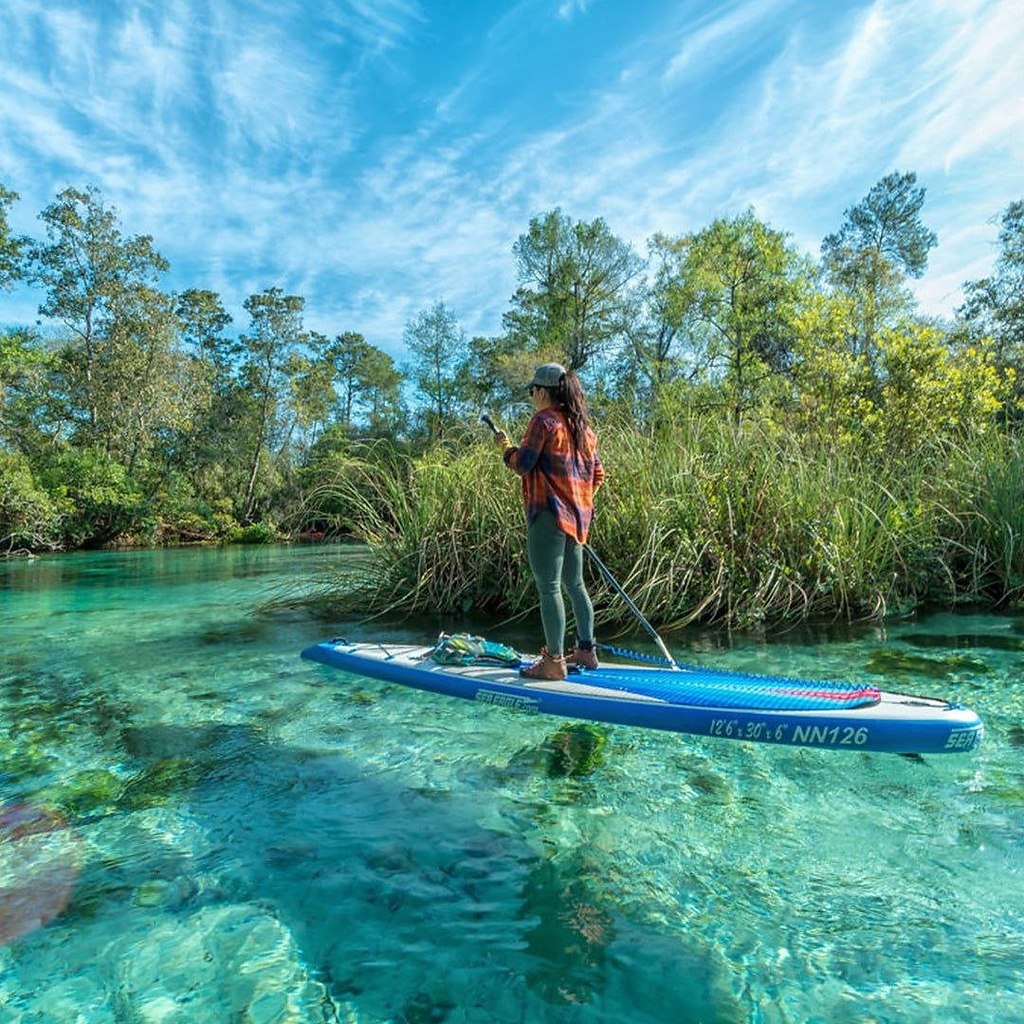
x: 250, y: 837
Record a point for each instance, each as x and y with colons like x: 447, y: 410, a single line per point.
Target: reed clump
x: 443, y: 528
x: 703, y: 521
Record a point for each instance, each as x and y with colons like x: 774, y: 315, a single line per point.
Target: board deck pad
x: 709, y: 688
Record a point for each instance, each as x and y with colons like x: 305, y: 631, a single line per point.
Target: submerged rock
x: 92, y: 791
x: 250, y: 629
x: 575, y: 750
x: 39, y: 861
x: 158, y: 782
x: 574, y: 927
x: 221, y: 963
x: 364, y: 697
x: 902, y: 663
x: 711, y: 784
x: 23, y: 759
x: 992, y: 641
x: 584, y: 951
x: 425, y: 1008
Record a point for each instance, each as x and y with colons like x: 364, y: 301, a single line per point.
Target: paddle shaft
x: 612, y: 581
x: 639, y: 615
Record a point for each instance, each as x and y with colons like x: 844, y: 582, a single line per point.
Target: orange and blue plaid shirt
x: 556, y: 478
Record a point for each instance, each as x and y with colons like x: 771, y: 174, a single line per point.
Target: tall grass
x: 445, y: 530
x: 989, y: 481
x: 749, y: 525
x: 703, y: 522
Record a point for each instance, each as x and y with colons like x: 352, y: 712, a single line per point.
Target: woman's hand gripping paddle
x: 500, y: 437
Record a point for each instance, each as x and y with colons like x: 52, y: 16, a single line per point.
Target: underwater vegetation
x: 903, y: 664
x: 575, y: 750
x: 991, y: 641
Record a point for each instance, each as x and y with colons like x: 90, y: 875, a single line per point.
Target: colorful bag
x: 464, y: 649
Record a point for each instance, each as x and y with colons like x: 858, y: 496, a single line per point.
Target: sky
x: 379, y: 156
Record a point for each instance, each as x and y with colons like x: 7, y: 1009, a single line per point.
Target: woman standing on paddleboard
x: 561, y: 470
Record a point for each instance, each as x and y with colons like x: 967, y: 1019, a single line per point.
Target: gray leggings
x: 557, y: 560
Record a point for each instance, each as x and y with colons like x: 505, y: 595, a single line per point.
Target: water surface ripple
x: 197, y: 826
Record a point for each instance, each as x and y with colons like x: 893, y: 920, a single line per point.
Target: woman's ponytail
x: 570, y: 398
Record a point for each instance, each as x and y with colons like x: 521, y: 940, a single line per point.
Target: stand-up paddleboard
x: 690, y: 699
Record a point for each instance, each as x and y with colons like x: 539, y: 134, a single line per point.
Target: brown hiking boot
x: 584, y: 658
x: 547, y: 666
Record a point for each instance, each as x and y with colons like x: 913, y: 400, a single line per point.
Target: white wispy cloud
x: 245, y: 148
x: 920, y: 86
x: 567, y: 9
x: 118, y: 108
x: 381, y: 24
x: 712, y: 37
x: 975, y: 101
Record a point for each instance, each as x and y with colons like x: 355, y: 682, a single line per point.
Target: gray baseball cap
x: 550, y: 375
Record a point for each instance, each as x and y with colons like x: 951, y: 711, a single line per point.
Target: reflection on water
x: 196, y: 825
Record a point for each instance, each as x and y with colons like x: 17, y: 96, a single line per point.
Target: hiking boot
x: 547, y: 666
x: 584, y: 657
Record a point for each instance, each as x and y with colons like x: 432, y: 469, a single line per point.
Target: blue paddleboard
x: 690, y: 699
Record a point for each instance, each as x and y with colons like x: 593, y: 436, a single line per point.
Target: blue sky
x: 378, y: 156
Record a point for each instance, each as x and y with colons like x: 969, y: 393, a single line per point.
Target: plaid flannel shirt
x: 555, y: 479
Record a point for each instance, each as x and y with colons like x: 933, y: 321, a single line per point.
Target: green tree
x: 381, y: 382
x: 439, y: 365
x: 574, y: 295
x: 994, y: 305
x: 102, y: 501
x: 201, y: 453
x: 119, y: 375
x: 30, y: 419
x: 30, y: 517
x: 368, y: 385
x: 269, y: 356
x: 881, y: 242
x: 202, y: 320
x: 311, y: 393
x: 92, y: 276
x: 140, y: 377
x: 656, y: 370
x: 738, y: 292
x: 931, y: 391
x: 835, y: 388
x: 349, y: 355
x: 11, y: 246
x: 497, y: 369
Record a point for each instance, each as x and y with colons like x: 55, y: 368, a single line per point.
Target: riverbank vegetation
x: 702, y: 522
x: 785, y: 434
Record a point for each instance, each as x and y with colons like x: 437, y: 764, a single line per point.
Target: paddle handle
x: 486, y: 418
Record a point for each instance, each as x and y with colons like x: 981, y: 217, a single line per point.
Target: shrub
x: 30, y: 518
